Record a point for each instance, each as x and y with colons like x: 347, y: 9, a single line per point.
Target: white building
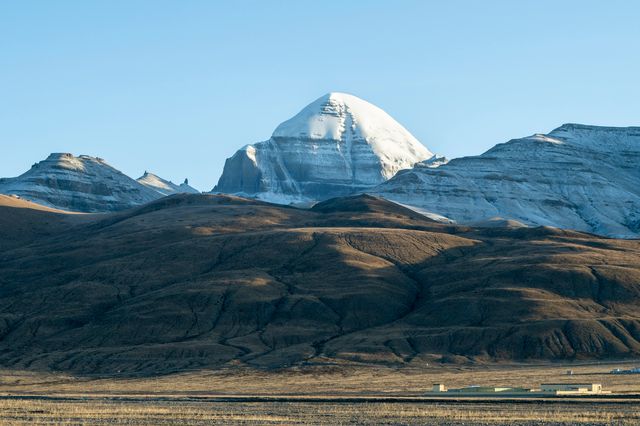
x: 572, y: 388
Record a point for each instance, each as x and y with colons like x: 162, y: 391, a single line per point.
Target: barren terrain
x: 200, y: 281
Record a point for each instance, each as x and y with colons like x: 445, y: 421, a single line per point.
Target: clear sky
x: 175, y: 87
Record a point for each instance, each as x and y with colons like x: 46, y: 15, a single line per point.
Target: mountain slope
x: 336, y: 145
x: 24, y: 222
x: 577, y: 177
x: 354, y: 279
x: 83, y: 184
x: 165, y: 187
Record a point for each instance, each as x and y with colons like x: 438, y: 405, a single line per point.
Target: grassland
x: 288, y: 413
x: 341, y: 380
x: 197, y: 397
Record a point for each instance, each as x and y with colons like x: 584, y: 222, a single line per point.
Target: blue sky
x: 175, y: 87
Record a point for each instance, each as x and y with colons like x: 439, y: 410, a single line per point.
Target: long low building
x: 572, y: 388
x: 474, y: 389
x: 545, y: 389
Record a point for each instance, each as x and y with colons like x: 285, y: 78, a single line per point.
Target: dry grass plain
x: 295, y: 413
x: 311, y: 395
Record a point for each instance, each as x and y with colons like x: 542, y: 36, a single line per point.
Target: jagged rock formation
x: 165, y: 187
x: 83, y: 184
x: 578, y: 177
x: 335, y: 146
x: 243, y: 282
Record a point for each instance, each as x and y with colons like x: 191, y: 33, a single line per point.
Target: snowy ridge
x: 165, y: 187
x: 336, y: 145
x: 578, y: 177
x: 600, y: 138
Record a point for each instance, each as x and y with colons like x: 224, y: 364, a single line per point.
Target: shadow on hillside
x: 137, y: 300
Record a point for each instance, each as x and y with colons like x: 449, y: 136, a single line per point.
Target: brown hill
x: 193, y: 281
x: 22, y: 221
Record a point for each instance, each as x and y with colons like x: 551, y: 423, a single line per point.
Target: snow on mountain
x: 578, y: 177
x: 165, y: 187
x: 335, y: 146
x: 84, y: 184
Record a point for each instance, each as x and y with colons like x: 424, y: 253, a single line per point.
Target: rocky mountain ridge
x: 578, y: 177
x: 85, y: 184
x: 165, y: 187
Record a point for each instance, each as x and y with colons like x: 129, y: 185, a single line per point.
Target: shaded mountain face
x: 578, y: 177
x: 165, y: 187
x: 82, y: 184
x: 22, y: 222
x: 337, y: 145
x: 192, y: 281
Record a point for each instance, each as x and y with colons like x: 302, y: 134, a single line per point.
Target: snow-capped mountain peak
x: 343, y: 118
x: 334, y: 146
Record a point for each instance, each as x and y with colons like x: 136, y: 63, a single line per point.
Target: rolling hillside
x: 192, y: 281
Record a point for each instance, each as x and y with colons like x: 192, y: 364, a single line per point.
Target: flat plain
x: 347, y: 394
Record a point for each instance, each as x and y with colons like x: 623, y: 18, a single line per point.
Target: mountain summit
x: 84, y: 184
x: 87, y: 184
x: 336, y: 145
